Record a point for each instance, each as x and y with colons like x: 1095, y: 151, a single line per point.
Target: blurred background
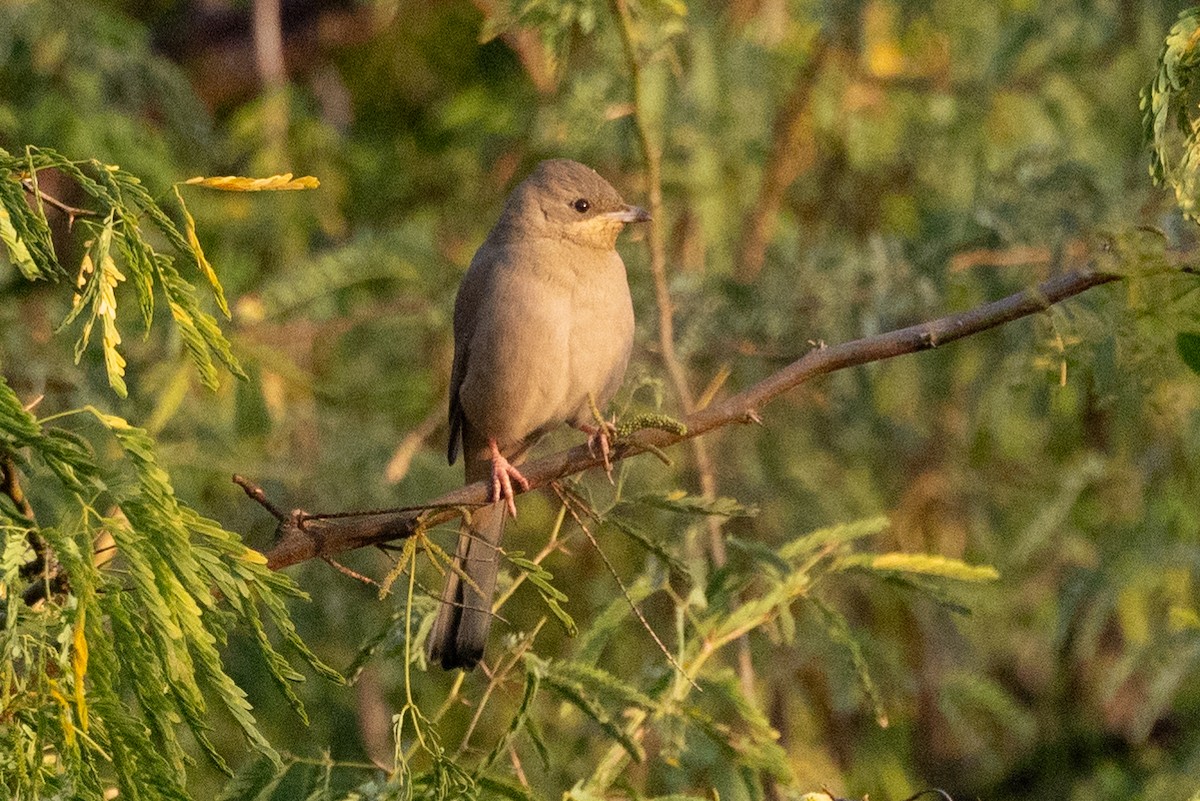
x: 830, y: 169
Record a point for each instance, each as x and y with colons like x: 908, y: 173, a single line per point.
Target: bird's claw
x: 600, y: 438
x: 503, y: 476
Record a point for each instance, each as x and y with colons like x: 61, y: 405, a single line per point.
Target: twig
x: 494, y: 681
x: 256, y: 493
x: 658, y: 253
x: 267, y: 30
x: 516, y: 763
x: 705, y: 465
x: 298, y: 543
x: 567, y: 501
x: 71, y: 211
x: 345, y: 571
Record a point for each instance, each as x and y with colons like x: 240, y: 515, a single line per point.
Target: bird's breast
x: 554, y: 329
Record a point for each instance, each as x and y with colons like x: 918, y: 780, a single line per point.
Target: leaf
x: 725, y: 684
x: 601, y: 683
x: 540, y: 578
x: 760, y: 553
x: 201, y: 335
x: 809, y: 544
x: 139, y: 259
x: 256, y: 780
x: 604, y: 625
x: 24, y: 230
x: 533, y: 681
x: 1187, y: 344
x: 201, y: 259
x: 96, y: 293
x: 1167, y: 109
x: 18, y: 252
x: 79, y: 661
x: 658, y: 549
x: 235, y: 183
x: 575, y: 693
x: 923, y: 564
x: 754, y: 613
x: 683, y: 503
x: 502, y: 789
x: 1181, y: 618
x: 839, y: 632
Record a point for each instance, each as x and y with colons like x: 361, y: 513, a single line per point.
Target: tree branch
x: 301, y: 536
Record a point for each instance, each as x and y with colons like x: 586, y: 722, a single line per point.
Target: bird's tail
x: 460, y: 630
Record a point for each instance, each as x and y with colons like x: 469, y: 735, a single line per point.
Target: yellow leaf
x: 17, y: 249
x: 64, y: 712
x: 934, y: 565
x: 237, y: 183
x: 201, y: 259
x: 79, y: 663
x: 253, y: 557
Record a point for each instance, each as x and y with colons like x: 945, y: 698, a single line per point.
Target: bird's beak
x: 628, y: 214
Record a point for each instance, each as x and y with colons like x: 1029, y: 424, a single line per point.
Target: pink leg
x: 503, y: 474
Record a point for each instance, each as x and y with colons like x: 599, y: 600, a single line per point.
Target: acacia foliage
x: 938, y: 156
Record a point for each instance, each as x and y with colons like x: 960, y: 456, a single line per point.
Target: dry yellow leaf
x: 237, y: 183
x: 79, y: 661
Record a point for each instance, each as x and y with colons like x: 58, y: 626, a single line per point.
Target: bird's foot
x: 503, y: 475
x: 600, y: 439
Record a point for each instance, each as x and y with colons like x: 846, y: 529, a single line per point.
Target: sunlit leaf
x: 236, y: 183
x: 201, y: 259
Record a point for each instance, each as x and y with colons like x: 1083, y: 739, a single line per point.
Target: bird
x: 543, y: 330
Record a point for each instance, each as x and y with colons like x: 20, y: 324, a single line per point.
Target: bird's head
x: 566, y: 200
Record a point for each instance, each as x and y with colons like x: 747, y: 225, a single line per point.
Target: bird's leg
x: 600, y: 438
x: 503, y: 474
x: 600, y: 435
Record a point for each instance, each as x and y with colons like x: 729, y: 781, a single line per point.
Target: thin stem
x: 705, y: 464
x: 30, y: 186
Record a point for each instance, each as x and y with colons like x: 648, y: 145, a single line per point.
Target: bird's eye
x: 581, y: 205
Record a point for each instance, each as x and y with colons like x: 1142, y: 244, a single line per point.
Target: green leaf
x: 1187, y: 344
x: 577, y: 694
x: 682, y: 503
x: 256, y: 780
x: 201, y: 260
x: 609, y: 621
x: 540, y: 578
x: 841, y: 534
x: 502, y: 789
x: 601, y: 683
x: 839, y: 632
x: 657, y: 548
x: 18, y: 252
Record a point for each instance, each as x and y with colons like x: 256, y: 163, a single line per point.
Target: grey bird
x: 543, y: 328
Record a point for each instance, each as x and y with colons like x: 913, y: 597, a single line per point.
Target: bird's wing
x: 472, y: 294
x: 456, y: 411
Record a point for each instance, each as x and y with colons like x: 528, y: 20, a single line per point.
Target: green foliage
x: 904, y: 159
x: 126, y: 210
x: 135, y: 623
x: 1167, y: 106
